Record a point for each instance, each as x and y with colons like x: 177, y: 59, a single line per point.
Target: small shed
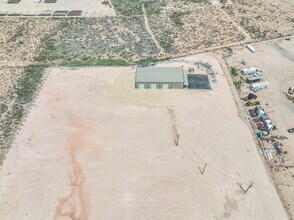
x: 160, y: 78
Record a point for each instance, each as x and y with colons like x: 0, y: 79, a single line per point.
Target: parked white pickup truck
x: 253, y: 79
x: 258, y: 86
x: 251, y: 70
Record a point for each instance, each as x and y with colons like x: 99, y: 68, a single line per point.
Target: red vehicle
x: 260, y: 124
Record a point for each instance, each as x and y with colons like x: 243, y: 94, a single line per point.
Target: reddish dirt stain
x: 75, y: 206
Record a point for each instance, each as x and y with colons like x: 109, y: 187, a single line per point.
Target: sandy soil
x: 93, y: 147
x: 91, y: 8
x: 276, y: 59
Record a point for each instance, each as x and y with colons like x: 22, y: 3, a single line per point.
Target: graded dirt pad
x: 93, y: 147
x: 276, y: 59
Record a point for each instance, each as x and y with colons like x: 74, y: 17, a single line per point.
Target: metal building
x: 160, y: 78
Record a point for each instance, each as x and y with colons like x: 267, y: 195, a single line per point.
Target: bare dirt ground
x: 276, y: 59
x: 93, y: 147
x: 91, y: 8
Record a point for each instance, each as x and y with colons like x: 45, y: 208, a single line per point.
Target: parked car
x: 253, y: 79
x: 252, y: 102
x: 249, y: 97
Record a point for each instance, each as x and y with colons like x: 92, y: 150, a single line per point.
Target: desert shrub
x: 90, y: 62
x: 22, y: 94
x: 238, y: 84
x: 234, y: 71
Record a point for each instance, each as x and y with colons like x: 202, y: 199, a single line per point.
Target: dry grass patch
x: 9, y: 76
x: 20, y: 38
x: 187, y: 27
x: 263, y: 19
x: 104, y: 38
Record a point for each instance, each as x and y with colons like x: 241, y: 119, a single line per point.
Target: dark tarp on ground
x: 198, y: 81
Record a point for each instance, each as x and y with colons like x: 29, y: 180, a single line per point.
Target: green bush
x: 238, y: 84
x: 234, y: 72
x: 147, y: 60
x: 90, y: 62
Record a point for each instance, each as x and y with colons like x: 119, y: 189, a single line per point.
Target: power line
x: 208, y: 165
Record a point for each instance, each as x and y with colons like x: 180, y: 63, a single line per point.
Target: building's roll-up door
x: 153, y: 86
x: 141, y: 86
x: 165, y: 85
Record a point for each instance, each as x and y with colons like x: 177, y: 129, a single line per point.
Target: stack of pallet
x: 75, y: 13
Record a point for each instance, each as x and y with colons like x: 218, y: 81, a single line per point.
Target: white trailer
x: 249, y: 47
x: 258, y: 86
x: 251, y: 70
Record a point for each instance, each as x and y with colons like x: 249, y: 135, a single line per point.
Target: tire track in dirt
x: 245, y: 33
x: 161, y: 50
x: 76, y: 205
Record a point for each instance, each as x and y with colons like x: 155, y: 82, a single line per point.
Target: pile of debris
x: 264, y: 127
x: 204, y: 66
x: 262, y: 121
x: 276, y: 144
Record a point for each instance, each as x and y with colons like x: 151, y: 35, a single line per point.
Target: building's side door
x: 153, y: 86
x: 165, y: 85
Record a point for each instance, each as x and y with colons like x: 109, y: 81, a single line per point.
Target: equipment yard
x: 276, y: 59
x: 94, y: 147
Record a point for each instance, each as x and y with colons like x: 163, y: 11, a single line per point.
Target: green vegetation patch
x: 237, y: 79
x: 177, y: 18
x: 238, y: 84
x: 147, y: 60
x: 234, y: 71
x: 91, y: 62
x: 13, y: 108
x: 127, y: 7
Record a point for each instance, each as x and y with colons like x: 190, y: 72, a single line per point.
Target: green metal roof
x: 160, y: 74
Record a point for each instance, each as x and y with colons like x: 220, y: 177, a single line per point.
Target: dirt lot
x: 91, y: 8
x: 276, y: 59
x: 94, y: 147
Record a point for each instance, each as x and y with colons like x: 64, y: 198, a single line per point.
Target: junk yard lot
x: 95, y: 147
x: 276, y: 59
